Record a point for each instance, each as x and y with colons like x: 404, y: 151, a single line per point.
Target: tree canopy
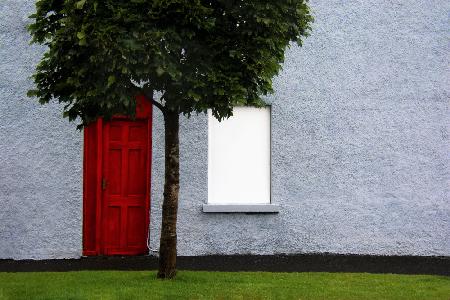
x: 198, y: 54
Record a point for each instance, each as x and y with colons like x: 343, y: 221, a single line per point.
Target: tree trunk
x: 168, y: 242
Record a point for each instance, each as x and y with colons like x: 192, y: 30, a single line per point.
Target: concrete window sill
x: 237, y: 208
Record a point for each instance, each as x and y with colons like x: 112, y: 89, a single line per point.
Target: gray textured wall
x: 360, y: 145
x: 40, y: 155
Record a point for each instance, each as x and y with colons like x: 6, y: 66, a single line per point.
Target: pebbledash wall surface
x: 360, y: 145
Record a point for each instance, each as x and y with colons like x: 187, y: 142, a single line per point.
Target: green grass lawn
x: 221, y: 285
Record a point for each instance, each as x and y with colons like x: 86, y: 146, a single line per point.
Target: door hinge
x: 104, y: 183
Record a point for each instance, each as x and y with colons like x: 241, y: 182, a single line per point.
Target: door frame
x: 93, y: 175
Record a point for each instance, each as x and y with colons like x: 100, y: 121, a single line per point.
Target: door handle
x: 104, y: 183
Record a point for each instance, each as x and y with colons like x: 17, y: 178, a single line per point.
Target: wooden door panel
x: 114, y: 173
x: 137, y: 134
x: 135, y: 227
x: 136, y: 168
x: 115, y: 132
x: 112, y: 226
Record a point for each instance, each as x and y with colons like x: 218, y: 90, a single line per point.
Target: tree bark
x: 168, y: 242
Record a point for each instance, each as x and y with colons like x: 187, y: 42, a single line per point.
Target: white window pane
x: 239, y: 157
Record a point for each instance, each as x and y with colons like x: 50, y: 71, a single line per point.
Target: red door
x: 117, y: 185
x: 124, y: 187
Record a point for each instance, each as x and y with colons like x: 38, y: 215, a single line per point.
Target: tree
x: 198, y: 54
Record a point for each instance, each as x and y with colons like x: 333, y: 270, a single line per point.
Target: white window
x: 239, y: 160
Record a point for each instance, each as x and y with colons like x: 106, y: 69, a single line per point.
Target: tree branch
x: 148, y: 92
x: 159, y: 105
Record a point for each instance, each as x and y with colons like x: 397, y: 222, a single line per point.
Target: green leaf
x: 81, y: 35
x: 80, y: 4
x: 111, y: 80
x: 194, y: 95
x: 82, y: 42
x: 32, y: 93
x: 160, y: 71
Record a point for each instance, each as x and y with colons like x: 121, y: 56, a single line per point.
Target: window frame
x: 269, y: 207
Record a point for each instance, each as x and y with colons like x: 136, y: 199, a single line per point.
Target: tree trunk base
x: 168, y: 242
x: 170, y: 274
